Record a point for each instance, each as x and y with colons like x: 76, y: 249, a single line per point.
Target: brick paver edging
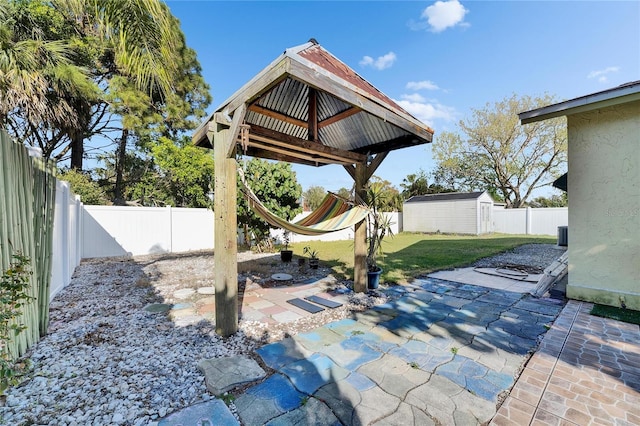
x: 586, y: 371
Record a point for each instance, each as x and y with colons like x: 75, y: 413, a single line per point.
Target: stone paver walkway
x: 441, y: 352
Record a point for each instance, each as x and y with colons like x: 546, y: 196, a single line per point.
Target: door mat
x: 309, y: 307
x: 324, y: 302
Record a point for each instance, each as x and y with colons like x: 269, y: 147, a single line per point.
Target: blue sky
x: 439, y: 60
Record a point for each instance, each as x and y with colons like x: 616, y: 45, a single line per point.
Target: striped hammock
x: 334, y: 214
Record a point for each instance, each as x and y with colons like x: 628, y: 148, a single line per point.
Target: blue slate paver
x: 215, y: 412
x: 308, y: 375
x: 500, y: 297
x: 267, y: 400
x: 277, y: 355
x: 346, y: 327
x: 360, y: 381
x: 475, y: 377
x: 427, y: 357
x: 435, y: 285
x: 351, y: 353
x: 539, y: 306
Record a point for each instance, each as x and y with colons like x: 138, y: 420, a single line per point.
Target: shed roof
x: 624, y: 93
x: 447, y: 196
x: 308, y: 107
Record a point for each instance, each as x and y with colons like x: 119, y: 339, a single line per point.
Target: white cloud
x: 422, y: 85
x: 427, y: 111
x: 381, y: 63
x: 601, y: 75
x: 442, y: 15
x: 414, y: 97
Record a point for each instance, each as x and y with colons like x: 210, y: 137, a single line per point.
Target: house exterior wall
x: 455, y: 216
x: 604, y: 205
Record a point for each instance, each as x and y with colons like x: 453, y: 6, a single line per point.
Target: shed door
x: 485, y: 218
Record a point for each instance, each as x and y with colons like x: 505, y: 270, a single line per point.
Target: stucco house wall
x: 604, y: 205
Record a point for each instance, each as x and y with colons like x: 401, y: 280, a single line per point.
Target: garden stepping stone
x: 347, y: 327
x: 158, y: 307
x: 449, y: 403
x: 394, y: 375
x: 354, y: 407
x: 215, y: 412
x: 184, y: 293
x: 406, y: 415
x: 224, y: 374
x: 475, y: 377
x: 311, y: 413
x: 351, y: 353
x: 318, y: 339
x: 276, y: 355
x: 308, y: 375
x: 207, y: 290
x: 421, y: 354
x: 267, y: 400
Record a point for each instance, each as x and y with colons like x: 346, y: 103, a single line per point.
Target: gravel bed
x: 531, y: 258
x: 107, y: 361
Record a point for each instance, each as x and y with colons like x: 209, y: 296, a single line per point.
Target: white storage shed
x: 449, y: 213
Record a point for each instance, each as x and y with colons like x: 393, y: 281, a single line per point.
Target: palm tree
x: 37, y: 78
x: 50, y: 90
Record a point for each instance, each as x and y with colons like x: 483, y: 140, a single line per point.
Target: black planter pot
x: 373, y: 279
x: 313, y: 263
x: 286, y: 255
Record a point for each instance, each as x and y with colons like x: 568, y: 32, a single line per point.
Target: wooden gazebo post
x: 222, y: 135
x: 360, y: 234
x: 361, y: 174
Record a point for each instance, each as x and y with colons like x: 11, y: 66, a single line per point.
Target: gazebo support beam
x: 222, y: 135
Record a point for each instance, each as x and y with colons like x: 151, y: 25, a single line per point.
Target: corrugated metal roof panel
x: 444, y: 197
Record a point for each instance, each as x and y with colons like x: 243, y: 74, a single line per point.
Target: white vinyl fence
x: 131, y: 231
x: 67, y: 241
x: 530, y: 221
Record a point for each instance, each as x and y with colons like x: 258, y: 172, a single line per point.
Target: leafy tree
x: 388, y: 198
x: 418, y: 184
x: 494, y: 152
x: 40, y: 74
x: 314, y: 196
x: 186, y: 170
x: 275, y: 184
x: 179, y: 175
x: 553, y: 201
x: 81, y: 184
x: 345, y: 193
x: 120, y: 69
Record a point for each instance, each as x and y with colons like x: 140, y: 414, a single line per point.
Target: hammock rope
x: 334, y: 214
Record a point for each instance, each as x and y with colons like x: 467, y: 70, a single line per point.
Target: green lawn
x: 625, y: 315
x: 408, y: 255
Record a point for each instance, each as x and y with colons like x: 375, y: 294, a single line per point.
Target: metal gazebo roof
x: 310, y: 108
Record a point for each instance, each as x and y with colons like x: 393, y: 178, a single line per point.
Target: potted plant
x: 313, y: 257
x: 378, y: 227
x: 286, y: 255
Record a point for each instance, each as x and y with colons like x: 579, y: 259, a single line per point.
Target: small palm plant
x: 379, y: 225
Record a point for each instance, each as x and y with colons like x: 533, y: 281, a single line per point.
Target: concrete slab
x: 487, y: 279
